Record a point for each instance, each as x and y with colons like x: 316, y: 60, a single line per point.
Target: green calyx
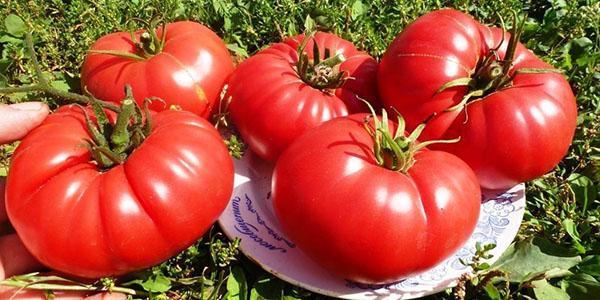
x: 320, y: 72
x: 110, y: 144
x: 149, y: 43
x: 492, y: 73
x: 395, y: 151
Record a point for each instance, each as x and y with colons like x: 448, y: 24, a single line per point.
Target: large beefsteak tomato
x: 277, y: 94
x: 519, y: 117
x: 79, y: 218
x: 369, y: 222
x: 187, y: 68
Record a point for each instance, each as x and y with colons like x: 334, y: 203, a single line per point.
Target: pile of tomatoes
x: 117, y: 188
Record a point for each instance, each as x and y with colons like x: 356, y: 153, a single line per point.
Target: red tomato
x: 510, y: 134
x: 79, y: 219
x: 189, y: 71
x: 271, y: 103
x: 362, y: 221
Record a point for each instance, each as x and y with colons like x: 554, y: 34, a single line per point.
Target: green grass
x: 563, y: 206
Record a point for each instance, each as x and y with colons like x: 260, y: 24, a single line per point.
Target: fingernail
x: 28, y: 106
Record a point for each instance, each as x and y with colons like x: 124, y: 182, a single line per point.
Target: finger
x: 16, y: 120
x: 107, y: 296
x: 15, y: 258
x: 7, y: 292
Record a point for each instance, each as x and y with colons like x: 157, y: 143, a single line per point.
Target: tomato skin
x: 80, y: 220
x: 271, y: 105
x: 189, y: 72
x: 513, y: 135
x: 364, y: 222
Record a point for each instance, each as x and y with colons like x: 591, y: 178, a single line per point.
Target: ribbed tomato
x: 277, y: 94
x: 80, y: 218
x: 371, y: 217
x: 514, y: 114
x: 188, y: 68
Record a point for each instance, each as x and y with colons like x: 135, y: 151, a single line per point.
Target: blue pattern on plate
x: 253, y: 232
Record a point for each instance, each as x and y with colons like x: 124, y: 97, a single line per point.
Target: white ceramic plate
x: 249, y: 216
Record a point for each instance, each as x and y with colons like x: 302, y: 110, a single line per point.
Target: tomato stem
x: 516, y: 31
x: 44, y: 86
x: 111, y: 144
x: 150, y: 44
x: 121, y: 135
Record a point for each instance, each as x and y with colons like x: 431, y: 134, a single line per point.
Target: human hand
x: 16, y: 120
